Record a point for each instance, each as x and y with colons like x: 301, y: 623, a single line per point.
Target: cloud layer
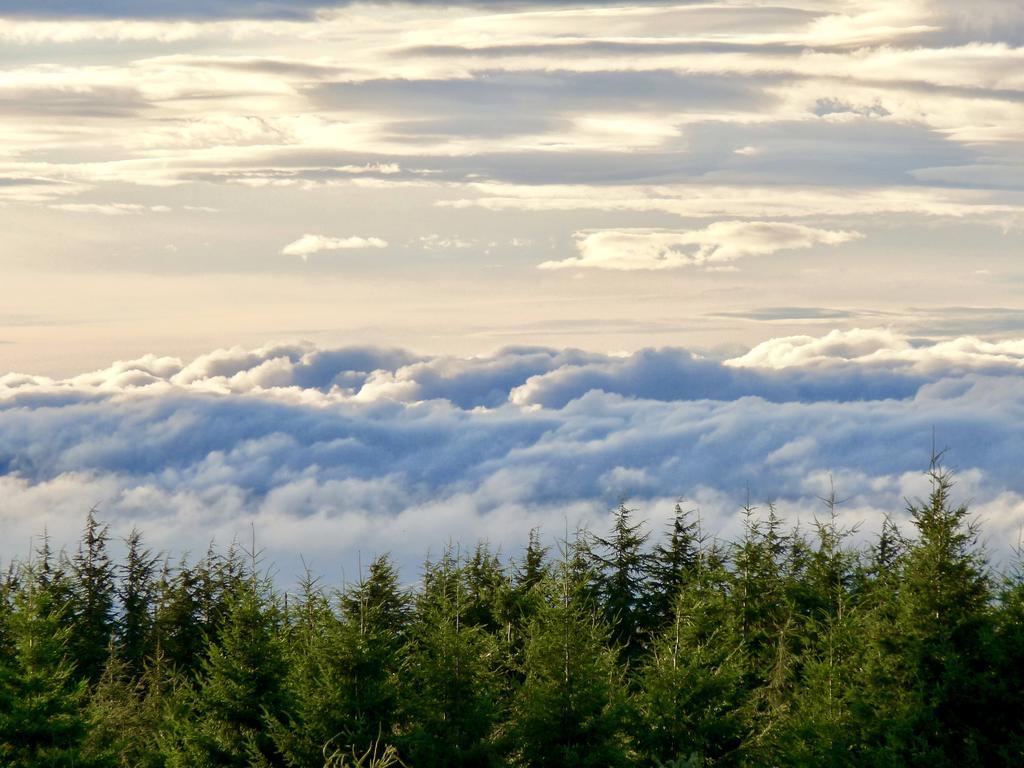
x: 332, y: 452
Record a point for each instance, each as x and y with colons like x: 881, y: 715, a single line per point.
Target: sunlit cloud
x: 714, y: 246
x: 307, y: 245
x: 332, y: 451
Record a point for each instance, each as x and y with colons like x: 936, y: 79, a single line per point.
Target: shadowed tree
x: 622, y: 569
x: 136, y: 593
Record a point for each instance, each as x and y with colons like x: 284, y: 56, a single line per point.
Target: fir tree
x: 449, y: 676
x: 238, y: 692
x: 41, y: 721
x: 571, y: 710
x: 92, y: 612
x: 673, y: 564
x: 341, y: 679
x: 622, y: 568
x: 692, y: 687
x: 136, y: 594
x: 128, y: 713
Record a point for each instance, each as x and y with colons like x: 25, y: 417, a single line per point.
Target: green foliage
x: 341, y: 679
x: 448, y: 682
x: 91, y: 609
x: 136, y: 592
x: 239, y: 689
x: 42, y: 720
x: 784, y: 648
x: 622, y: 568
x: 128, y: 713
x: 692, y: 685
x: 571, y: 709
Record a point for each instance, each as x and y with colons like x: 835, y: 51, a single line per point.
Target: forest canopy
x: 785, y: 647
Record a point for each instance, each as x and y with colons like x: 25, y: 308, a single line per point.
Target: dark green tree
x: 92, y: 609
x: 448, y: 675
x: 341, y: 682
x: 692, y: 686
x: 136, y: 593
x: 928, y: 687
x: 672, y: 565
x: 239, y: 691
x: 622, y: 569
x: 571, y: 710
x: 41, y: 701
x: 128, y: 713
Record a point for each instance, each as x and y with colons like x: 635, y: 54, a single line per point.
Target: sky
x: 370, y: 276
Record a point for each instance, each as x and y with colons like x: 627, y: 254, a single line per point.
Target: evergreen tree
x: 238, y: 692
x: 1005, y: 742
x: 927, y: 694
x: 128, y: 713
x: 818, y: 730
x: 944, y: 620
x: 673, y: 564
x: 571, y: 710
x: 341, y: 680
x: 449, y: 676
x: 691, y: 690
x: 622, y: 568
x: 92, y: 609
x: 533, y: 566
x: 136, y: 593
x: 488, y: 591
x: 41, y: 721
x: 179, y: 631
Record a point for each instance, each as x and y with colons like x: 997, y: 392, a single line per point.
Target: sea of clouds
x: 336, y: 455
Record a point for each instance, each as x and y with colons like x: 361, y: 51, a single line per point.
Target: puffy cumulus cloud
x: 335, y: 452
x: 884, y: 348
x: 307, y: 245
x: 713, y: 247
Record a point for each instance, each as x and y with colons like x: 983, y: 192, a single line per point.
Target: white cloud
x: 110, y: 209
x: 712, y: 247
x: 750, y: 200
x: 332, y: 452
x: 883, y: 348
x: 307, y: 245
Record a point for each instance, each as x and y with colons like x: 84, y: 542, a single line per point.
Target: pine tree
x: 128, y: 713
x: 927, y: 690
x: 341, y: 680
x: 819, y: 726
x: 533, y: 567
x: 179, y: 631
x: 691, y: 690
x: 1005, y: 731
x: 944, y: 619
